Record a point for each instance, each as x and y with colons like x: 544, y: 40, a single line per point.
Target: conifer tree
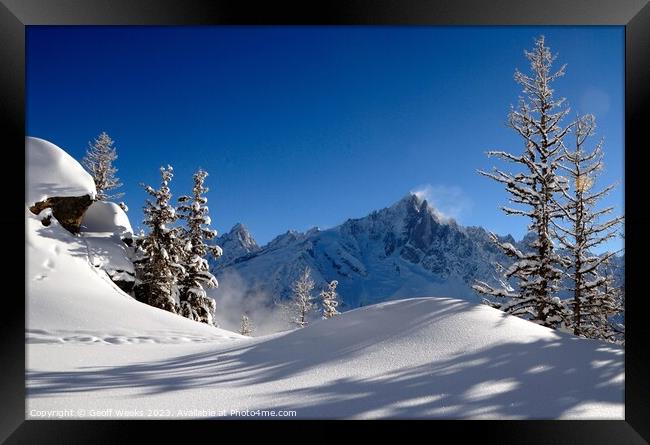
x: 538, y: 121
x: 246, y: 326
x: 195, y: 304
x: 158, y: 260
x: 329, y: 299
x: 595, y: 298
x: 99, y: 159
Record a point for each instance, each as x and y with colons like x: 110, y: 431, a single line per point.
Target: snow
x: 106, y: 217
x: 415, y: 358
x: 72, y: 301
x: 53, y: 172
x: 108, y: 252
x: 92, y: 347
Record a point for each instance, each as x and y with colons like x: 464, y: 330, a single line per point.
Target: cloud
x: 448, y: 202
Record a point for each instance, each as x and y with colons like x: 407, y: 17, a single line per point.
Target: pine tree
x: 158, y: 260
x: 595, y: 298
x: 302, y: 303
x: 246, y: 326
x: 537, y: 120
x: 99, y: 159
x: 195, y: 303
x: 329, y: 298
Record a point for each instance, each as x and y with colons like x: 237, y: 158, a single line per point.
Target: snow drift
x: 106, y: 217
x: 51, y: 172
x: 416, y: 358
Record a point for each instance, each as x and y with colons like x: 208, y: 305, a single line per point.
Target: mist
x: 234, y: 297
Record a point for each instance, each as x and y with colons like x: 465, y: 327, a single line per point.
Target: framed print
x: 427, y: 212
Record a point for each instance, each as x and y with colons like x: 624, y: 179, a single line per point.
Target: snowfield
x: 95, y: 352
x: 418, y: 358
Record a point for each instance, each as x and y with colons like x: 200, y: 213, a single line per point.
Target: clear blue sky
x: 308, y: 126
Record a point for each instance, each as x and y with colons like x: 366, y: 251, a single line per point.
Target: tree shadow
x: 539, y: 379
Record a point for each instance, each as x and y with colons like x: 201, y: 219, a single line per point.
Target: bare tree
x: 302, y: 303
x: 595, y: 297
x: 538, y: 121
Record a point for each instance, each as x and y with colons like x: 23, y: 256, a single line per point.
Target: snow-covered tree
x: 594, y: 296
x: 302, y: 303
x: 538, y: 121
x: 99, y: 159
x: 195, y: 304
x: 329, y: 299
x: 158, y: 260
x: 246, y: 325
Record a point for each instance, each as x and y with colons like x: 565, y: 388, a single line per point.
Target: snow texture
x: 415, y: 358
x: 106, y: 217
x: 69, y: 300
x: 53, y: 172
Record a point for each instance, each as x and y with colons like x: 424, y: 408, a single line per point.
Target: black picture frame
x: 633, y: 14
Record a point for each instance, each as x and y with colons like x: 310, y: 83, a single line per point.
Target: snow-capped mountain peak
x: 402, y: 250
x: 236, y: 244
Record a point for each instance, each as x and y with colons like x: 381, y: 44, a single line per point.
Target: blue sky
x: 308, y: 126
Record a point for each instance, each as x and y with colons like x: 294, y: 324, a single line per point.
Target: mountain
x: 404, y: 250
x: 236, y: 244
x: 401, y: 251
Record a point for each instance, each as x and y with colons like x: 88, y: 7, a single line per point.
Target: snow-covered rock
x: 106, y: 217
x: 70, y: 298
x: 109, y: 252
x: 58, y: 182
x: 51, y: 172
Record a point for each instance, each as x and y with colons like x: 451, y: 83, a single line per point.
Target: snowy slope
x: 70, y: 297
x: 69, y: 300
x: 53, y: 172
x: 425, y: 357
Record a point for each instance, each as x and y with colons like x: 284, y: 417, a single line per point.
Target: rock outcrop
x: 68, y: 210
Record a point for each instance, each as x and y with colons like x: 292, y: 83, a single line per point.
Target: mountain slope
x: 236, y: 245
x: 397, y: 252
